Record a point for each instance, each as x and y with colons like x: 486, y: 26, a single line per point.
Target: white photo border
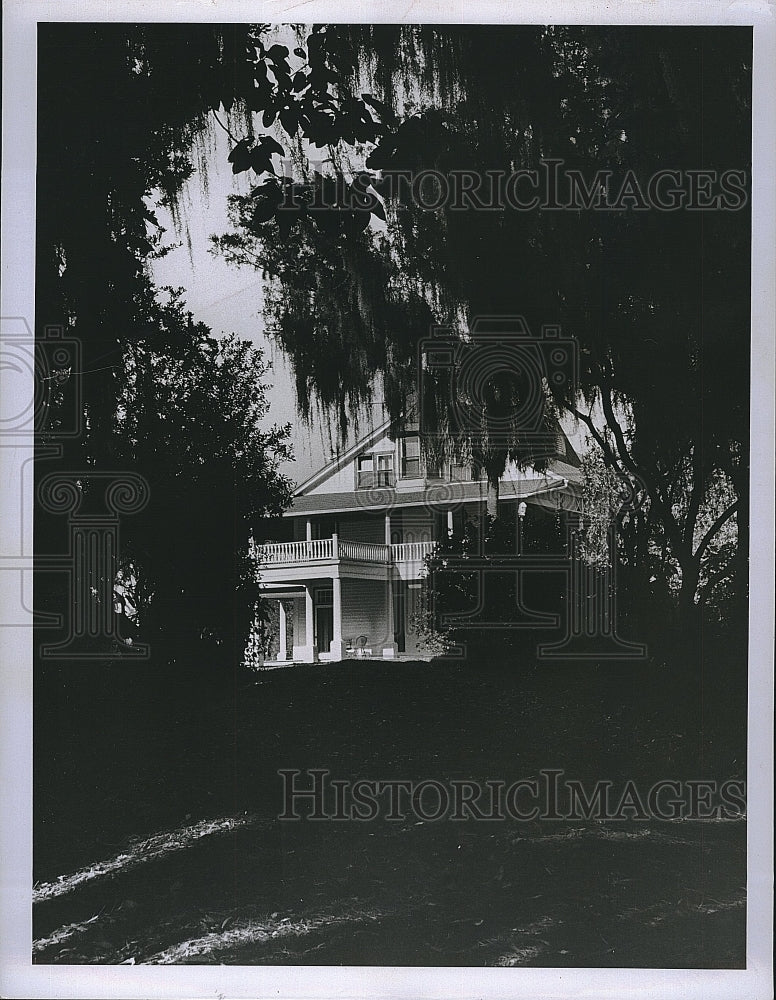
x: 18, y: 976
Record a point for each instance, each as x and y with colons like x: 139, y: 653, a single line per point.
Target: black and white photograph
x: 388, y: 501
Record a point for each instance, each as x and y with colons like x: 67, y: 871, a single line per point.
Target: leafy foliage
x: 658, y: 301
x: 123, y: 113
x: 191, y: 419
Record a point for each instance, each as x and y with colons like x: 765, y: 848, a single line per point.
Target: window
x: 324, y: 597
x: 385, y: 470
x: 410, y: 457
x: 374, y: 470
x: 365, y: 466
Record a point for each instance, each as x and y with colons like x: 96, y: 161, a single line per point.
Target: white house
x: 348, y: 584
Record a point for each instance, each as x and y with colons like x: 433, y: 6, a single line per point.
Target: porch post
x: 389, y: 645
x: 307, y: 653
x: 309, y: 530
x: 309, y: 624
x: 283, y: 655
x: 337, y: 646
x: 450, y: 524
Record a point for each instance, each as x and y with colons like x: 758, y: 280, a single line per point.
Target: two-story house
x: 348, y: 579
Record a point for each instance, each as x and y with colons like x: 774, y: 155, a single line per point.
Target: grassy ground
x: 157, y: 837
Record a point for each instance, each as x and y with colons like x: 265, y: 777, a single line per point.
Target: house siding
x: 362, y: 528
x: 344, y: 479
x: 299, y: 622
x: 364, y: 611
x: 419, y: 512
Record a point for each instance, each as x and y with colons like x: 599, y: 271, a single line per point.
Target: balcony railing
x: 363, y: 551
x: 318, y: 550
x: 281, y: 553
x: 411, y: 551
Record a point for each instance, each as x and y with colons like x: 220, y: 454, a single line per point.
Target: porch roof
x: 443, y: 494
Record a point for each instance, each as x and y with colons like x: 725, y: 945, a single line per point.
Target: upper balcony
x: 280, y: 561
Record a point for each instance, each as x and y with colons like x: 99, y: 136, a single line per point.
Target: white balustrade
x: 283, y: 553
x: 412, y: 551
x: 364, y: 551
x: 323, y: 550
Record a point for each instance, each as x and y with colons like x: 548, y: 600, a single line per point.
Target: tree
x: 123, y: 114
x: 191, y: 419
x: 657, y: 300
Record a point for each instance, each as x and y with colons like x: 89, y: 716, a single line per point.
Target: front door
x: 324, y: 618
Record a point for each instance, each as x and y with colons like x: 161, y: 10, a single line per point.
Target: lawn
x: 157, y: 837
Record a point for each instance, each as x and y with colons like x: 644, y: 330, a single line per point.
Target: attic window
x: 365, y: 466
x: 385, y: 470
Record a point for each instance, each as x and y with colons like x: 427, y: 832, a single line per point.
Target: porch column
x: 337, y: 646
x: 450, y: 525
x: 307, y: 653
x: 282, y: 654
x: 309, y: 624
x: 389, y: 645
x: 309, y: 530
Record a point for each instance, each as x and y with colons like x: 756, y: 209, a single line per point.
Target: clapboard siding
x: 362, y: 528
x: 364, y: 610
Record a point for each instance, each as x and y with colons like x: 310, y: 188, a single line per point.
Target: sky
x: 227, y: 298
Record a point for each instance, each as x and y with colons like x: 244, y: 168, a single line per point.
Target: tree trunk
x: 688, y: 609
x: 492, y: 501
x: 741, y: 578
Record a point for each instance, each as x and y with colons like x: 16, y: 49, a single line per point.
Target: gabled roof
x: 559, y: 470
x: 558, y: 475
x: 342, y: 460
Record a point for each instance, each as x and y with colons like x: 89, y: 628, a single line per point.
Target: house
x: 348, y: 578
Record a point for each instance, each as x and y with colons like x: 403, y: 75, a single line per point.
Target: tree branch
x: 215, y: 115
x: 696, y: 496
x: 602, y: 442
x: 706, y: 540
x: 662, y: 508
x: 725, y: 573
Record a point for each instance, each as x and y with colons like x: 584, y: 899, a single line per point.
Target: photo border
x: 18, y: 976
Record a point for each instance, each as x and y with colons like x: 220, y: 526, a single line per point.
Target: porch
x: 405, y: 559
x: 347, y: 599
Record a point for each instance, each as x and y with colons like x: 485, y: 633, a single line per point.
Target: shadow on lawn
x: 157, y: 839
